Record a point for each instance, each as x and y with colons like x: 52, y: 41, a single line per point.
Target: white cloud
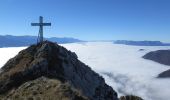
x: 7, y: 53
x: 124, y: 69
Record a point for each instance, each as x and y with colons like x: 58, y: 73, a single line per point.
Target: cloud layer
x: 120, y: 65
x: 124, y: 68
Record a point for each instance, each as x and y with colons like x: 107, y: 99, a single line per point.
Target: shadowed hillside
x: 162, y: 57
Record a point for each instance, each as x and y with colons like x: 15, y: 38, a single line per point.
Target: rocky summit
x: 47, y: 71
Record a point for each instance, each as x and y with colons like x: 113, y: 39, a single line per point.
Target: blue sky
x: 89, y: 19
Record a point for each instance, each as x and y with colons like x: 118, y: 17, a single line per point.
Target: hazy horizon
x: 87, y: 40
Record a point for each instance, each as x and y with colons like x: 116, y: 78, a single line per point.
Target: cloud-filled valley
x: 122, y: 66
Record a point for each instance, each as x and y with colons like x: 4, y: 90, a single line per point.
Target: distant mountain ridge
x: 17, y: 41
x: 160, y: 56
x: 141, y: 43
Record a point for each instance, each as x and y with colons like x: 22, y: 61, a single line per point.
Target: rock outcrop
x: 162, y: 57
x: 49, y: 71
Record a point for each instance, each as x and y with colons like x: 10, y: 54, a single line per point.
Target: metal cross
x: 40, y: 24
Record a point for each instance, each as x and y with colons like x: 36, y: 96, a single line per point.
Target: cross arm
x: 35, y: 24
x: 46, y: 24
x: 40, y: 24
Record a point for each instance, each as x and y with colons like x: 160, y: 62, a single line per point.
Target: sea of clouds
x: 122, y: 67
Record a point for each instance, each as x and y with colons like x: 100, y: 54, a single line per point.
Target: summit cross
x: 40, y: 24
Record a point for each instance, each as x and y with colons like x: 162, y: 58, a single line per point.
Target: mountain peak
x: 48, y: 61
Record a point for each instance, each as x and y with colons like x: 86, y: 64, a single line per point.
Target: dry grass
x: 43, y: 89
x: 130, y: 97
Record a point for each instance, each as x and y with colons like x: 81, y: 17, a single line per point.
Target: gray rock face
x: 54, y: 62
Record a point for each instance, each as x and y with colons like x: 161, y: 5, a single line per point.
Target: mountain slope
x: 162, y: 57
x: 51, y: 63
x: 165, y: 74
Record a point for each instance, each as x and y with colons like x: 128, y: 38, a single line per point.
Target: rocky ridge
x: 49, y: 71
